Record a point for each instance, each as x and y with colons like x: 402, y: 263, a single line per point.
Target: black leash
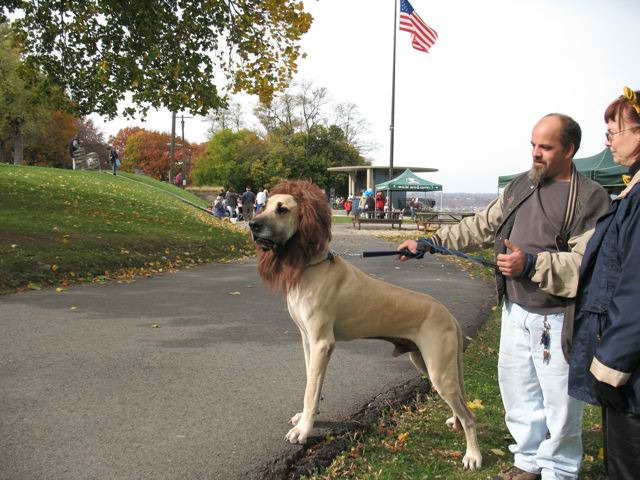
x: 432, y: 248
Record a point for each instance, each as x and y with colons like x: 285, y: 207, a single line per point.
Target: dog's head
x: 294, y: 227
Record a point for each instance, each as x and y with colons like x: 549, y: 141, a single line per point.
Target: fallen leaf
x: 54, y: 267
x: 34, y: 286
x: 475, y: 405
x: 601, y: 453
x: 59, y: 289
x: 155, y: 325
x: 73, y: 308
x: 234, y: 293
x: 498, y: 452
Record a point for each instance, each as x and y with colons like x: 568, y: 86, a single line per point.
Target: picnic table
x: 432, y: 220
x: 390, y: 218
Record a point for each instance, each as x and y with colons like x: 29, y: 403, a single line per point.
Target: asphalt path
x: 187, y: 375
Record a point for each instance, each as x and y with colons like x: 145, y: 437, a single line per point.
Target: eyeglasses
x: 611, y: 134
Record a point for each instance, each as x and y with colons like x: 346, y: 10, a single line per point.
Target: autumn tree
x: 91, y: 139
x: 167, y: 53
x: 148, y: 151
x: 119, y: 141
x: 27, y: 99
x: 49, y: 144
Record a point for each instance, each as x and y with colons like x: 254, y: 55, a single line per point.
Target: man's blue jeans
x: 545, y: 422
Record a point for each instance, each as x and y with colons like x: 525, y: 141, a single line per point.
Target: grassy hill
x: 60, y: 226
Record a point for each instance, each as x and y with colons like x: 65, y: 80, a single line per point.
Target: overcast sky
x: 468, y: 107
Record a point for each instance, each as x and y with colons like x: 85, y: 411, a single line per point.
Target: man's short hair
x: 571, y: 131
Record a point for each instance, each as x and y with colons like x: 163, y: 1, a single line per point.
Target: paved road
x: 96, y: 392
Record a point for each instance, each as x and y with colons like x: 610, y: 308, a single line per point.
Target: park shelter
x: 365, y: 177
x: 599, y: 167
x: 408, y: 181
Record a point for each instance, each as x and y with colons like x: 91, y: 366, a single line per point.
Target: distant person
x: 539, y: 226
x: 370, y: 205
x: 414, y: 206
x: 379, y: 205
x: 362, y: 203
x: 231, y: 202
x: 218, y: 207
x: 74, y: 145
x: 114, y: 160
x: 348, y: 204
x: 261, y: 200
x: 178, y: 180
x: 248, y: 202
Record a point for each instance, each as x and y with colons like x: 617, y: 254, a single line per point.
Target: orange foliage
x: 50, y: 145
x: 149, y: 151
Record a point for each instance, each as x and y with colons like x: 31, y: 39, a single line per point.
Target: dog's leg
x: 441, y: 358
x: 305, y: 347
x: 416, y: 358
x: 320, y: 349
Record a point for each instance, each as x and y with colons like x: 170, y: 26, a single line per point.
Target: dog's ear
x: 314, y: 225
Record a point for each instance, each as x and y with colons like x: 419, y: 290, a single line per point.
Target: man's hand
x: 411, y: 245
x: 511, y: 264
x: 610, y: 396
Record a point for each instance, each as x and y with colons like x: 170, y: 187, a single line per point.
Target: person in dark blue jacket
x: 605, y: 357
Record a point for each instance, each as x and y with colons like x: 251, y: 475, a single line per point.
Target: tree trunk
x: 18, y: 147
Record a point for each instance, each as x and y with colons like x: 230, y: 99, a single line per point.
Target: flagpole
x: 393, y: 103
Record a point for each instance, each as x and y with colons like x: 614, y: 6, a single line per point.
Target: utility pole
x: 184, y: 160
x: 172, y: 149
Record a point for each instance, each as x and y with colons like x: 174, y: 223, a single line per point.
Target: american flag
x: 422, y: 36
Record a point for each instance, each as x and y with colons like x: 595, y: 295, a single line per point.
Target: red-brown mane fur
x: 281, y: 269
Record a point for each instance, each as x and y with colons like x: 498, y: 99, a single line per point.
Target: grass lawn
x: 63, y: 226
x: 167, y: 187
x: 414, y: 443
x: 339, y: 219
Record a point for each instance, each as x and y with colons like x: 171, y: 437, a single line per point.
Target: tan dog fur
x: 327, y: 303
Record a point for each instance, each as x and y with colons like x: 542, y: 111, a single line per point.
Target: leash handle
x: 387, y: 253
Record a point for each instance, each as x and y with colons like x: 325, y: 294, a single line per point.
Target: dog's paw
x: 297, y: 434
x: 295, y: 419
x: 472, y: 460
x: 454, y: 424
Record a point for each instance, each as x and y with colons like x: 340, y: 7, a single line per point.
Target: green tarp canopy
x: 409, y: 181
x: 600, y: 168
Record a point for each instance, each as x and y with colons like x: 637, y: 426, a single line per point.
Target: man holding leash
x: 539, y: 227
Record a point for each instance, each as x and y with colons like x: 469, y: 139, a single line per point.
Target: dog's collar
x: 330, y: 256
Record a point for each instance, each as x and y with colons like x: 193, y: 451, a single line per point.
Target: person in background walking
x: 114, y: 159
x: 74, y: 145
x: 231, y: 201
x: 248, y: 202
x: 605, y: 357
